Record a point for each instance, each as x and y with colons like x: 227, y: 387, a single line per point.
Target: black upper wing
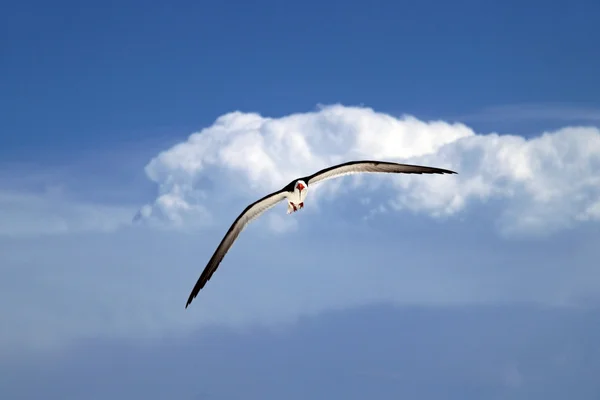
x: 369, y: 166
x: 251, y: 212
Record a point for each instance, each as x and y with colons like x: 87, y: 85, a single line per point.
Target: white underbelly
x: 302, y: 196
x: 296, y: 198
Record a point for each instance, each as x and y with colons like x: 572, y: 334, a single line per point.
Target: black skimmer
x: 295, y: 193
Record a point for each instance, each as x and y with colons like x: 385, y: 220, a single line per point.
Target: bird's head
x: 300, y: 186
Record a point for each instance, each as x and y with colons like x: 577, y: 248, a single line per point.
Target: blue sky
x: 190, y: 113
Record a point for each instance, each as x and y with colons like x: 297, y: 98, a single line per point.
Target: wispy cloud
x: 534, y: 112
x: 51, y: 212
x: 467, y: 352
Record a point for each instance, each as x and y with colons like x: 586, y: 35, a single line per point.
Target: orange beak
x: 300, y: 187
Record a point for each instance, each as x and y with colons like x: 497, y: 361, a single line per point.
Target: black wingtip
x: 448, y: 171
x: 189, y: 302
x: 197, y: 287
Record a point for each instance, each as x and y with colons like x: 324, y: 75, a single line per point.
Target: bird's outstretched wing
x: 368, y: 166
x: 250, y: 213
x: 257, y: 208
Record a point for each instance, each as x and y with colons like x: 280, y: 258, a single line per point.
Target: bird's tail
x: 290, y: 208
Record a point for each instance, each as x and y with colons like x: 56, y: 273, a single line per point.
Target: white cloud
x: 134, y: 281
x: 543, y: 184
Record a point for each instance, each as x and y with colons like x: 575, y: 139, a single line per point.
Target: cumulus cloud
x: 134, y: 281
x: 541, y: 184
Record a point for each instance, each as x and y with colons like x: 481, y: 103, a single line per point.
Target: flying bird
x: 295, y: 193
